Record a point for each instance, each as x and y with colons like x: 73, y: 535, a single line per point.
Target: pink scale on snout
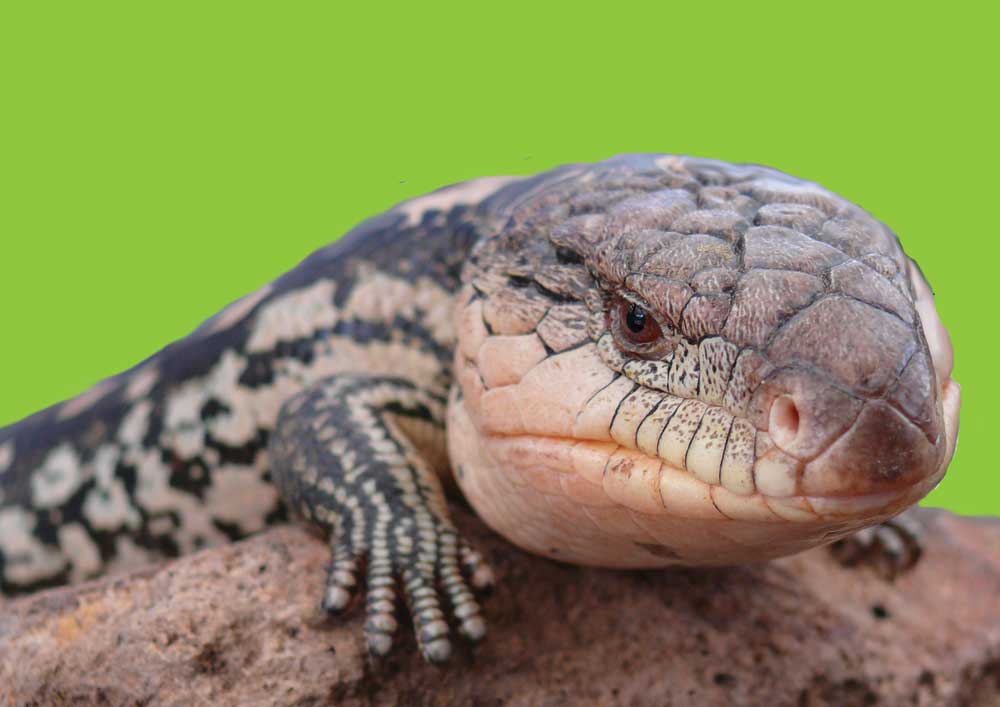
x: 500, y: 414
x: 590, y: 460
x: 684, y: 496
x: 581, y: 491
x: 471, y: 385
x: 594, y: 421
x: 472, y: 329
x: 542, y: 480
x: 503, y: 360
x: 794, y: 508
x: 538, y: 460
x: 550, y: 396
x: 618, y: 523
x: 633, y: 480
x: 776, y: 473
x: 740, y: 507
x: 694, y: 541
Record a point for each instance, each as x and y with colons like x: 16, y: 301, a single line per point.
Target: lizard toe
x: 380, y: 624
x: 341, y: 581
x: 464, y: 605
x: 479, y: 572
x: 428, y: 618
x: 892, y: 547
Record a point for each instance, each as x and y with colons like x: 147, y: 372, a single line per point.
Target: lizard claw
x: 380, y: 607
x: 341, y: 580
x: 442, y: 568
x: 425, y: 581
x: 893, y: 547
x: 479, y: 573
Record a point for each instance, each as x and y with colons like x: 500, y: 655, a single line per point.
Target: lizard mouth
x: 603, y: 473
x: 598, y: 503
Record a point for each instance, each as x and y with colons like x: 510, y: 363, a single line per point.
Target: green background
x: 158, y: 160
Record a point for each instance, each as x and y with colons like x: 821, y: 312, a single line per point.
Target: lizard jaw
x: 597, y: 503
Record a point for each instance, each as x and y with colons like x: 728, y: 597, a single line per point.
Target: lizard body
x: 647, y: 361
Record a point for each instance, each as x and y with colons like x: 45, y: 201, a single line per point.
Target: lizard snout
x: 882, y: 451
x: 830, y: 435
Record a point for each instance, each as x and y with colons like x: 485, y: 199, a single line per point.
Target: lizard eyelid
x: 636, y: 329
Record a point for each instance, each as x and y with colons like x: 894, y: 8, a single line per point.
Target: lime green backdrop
x: 158, y: 160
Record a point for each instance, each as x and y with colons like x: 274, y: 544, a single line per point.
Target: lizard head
x: 669, y: 360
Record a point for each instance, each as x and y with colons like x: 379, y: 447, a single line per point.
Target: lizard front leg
x: 340, y: 457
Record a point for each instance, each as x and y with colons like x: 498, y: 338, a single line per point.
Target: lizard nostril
x: 783, y: 424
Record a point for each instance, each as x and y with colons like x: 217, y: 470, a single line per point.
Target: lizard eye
x: 638, y: 322
x: 634, y: 327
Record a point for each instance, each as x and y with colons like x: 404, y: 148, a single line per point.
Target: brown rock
x: 240, y: 625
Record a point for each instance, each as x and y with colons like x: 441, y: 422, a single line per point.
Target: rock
x: 240, y: 625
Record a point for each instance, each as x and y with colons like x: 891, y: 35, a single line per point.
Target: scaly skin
x: 657, y: 360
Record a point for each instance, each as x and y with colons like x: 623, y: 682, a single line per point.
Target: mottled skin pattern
x: 647, y: 361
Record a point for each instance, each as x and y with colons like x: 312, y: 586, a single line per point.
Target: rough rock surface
x: 239, y: 625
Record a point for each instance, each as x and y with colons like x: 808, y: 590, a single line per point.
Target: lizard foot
x: 340, y: 456
x: 892, y: 547
x: 430, y: 564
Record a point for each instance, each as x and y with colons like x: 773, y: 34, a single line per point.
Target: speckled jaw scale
x: 769, y: 290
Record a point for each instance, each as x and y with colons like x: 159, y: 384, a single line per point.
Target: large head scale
x: 673, y: 360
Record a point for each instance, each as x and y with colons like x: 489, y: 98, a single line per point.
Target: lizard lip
x: 594, y: 472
